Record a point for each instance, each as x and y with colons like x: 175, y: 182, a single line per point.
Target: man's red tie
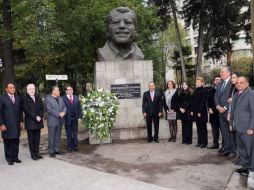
x: 71, y: 99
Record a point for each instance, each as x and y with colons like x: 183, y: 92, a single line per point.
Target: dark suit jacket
x: 33, y: 109
x: 214, y: 118
x: 184, y: 99
x: 221, y: 96
x: 10, y: 116
x: 152, y: 108
x: 76, y: 114
x: 198, y: 105
x: 242, y: 111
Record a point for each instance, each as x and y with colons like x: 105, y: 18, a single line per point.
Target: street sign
x: 56, y: 77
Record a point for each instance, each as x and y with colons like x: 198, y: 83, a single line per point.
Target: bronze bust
x: 121, y: 28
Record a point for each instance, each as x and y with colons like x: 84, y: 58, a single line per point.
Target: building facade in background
x: 240, y: 49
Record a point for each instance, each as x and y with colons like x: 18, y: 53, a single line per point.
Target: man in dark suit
x: 152, y: 110
x: 214, y: 114
x: 34, y: 112
x: 72, y: 118
x: 220, y: 98
x: 242, y: 120
x: 11, y: 123
x: 56, y: 111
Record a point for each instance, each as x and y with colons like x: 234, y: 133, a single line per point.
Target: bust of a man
x: 121, y: 28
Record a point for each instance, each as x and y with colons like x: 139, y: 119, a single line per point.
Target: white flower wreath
x: 99, y: 112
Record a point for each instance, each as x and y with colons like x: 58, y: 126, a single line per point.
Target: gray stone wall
x: 130, y: 123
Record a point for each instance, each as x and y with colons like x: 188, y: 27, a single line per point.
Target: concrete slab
x: 170, y: 165
x: 53, y: 174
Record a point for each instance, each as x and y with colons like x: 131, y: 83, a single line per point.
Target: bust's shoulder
x: 102, y: 53
x: 138, y: 53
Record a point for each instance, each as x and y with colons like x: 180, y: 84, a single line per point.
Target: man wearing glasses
x: 72, y: 118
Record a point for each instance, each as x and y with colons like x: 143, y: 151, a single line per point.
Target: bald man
x: 242, y: 120
x: 11, y: 122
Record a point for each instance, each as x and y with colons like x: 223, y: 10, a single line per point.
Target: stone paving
x: 169, y: 165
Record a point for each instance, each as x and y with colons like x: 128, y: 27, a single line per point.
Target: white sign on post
x: 57, y: 77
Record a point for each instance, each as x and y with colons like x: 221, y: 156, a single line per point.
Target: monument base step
x: 140, y: 132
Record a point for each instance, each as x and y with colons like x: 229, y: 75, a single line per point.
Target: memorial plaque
x: 126, y: 91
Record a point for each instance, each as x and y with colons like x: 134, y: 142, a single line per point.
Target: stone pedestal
x: 130, y: 123
x: 93, y: 139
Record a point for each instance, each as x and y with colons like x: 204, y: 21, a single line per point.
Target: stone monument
x: 122, y: 69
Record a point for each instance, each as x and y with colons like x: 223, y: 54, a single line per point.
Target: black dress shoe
x: 149, y: 141
x: 69, y: 149
x: 157, y: 141
x: 245, y: 173
x: 170, y: 139
x: 52, y: 155
x: 197, y: 145
x: 76, y: 149
x: 17, y: 160
x: 10, y: 163
x: 221, y: 150
x: 203, y: 146
x: 39, y: 156
x: 35, y: 158
x: 242, y: 169
x: 174, y: 140
x: 60, y: 153
x: 213, y: 147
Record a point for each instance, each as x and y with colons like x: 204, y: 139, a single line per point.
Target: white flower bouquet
x: 99, y: 112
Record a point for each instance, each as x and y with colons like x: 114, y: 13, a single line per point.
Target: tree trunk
x: 179, y: 42
x: 229, y: 57
x: 252, y: 31
x: 199, y: 51
x: 200, y: 44
x: 9, y: 73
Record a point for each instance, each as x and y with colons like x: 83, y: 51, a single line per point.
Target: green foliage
x: 209, y: 76
x: 169, y: 47
x: 190, y: 68
x: 244, y: 66
x: 99, y: 112
x: 62, y: 36
x: 221, y: 20
x: 224, y: 24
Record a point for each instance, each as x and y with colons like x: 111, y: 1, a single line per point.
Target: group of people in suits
x: 228, y: 106
x: 28, y: 110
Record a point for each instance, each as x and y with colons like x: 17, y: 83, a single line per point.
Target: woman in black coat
x: 183, y: 113
x: 198, y: 110
x: 34, y: 112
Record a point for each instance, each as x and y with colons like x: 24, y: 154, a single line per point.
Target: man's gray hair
x: 30, y: 85
x: 122, y: 10
x: 226, y: 68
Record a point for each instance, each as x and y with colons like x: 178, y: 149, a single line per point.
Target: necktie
x: 223, y: 85
x: 152, y: 95
x: 13, y: 99
x: 33, y: 98
x: 71, y: 99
